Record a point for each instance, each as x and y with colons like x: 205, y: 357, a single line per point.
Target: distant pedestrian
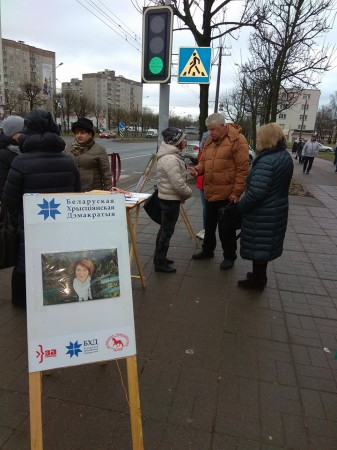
x: 294, y: 147
x: 309, y: 152
x: 335, y: 161
x: 300, y: 146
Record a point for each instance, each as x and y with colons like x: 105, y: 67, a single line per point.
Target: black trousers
x: 228, y: 241
x: 18, y: 288
x: 307, y: 165
x: 169, y: 215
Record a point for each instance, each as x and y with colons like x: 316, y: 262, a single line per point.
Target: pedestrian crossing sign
x: 194, y: 65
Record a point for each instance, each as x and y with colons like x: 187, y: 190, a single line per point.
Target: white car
x: 324, y: 148
x: 191, y: 151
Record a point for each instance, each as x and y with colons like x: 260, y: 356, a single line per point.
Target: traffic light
x: 157, y: 44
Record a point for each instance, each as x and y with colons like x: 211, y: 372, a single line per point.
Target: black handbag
x: 152, y: 207
x: 229, y: 218
x: 9, y: 239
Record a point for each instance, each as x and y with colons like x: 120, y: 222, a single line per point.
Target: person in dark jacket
x: 91, y: 158
x: 9, y: 147
x: 42, y: 167
x: 264, y: 206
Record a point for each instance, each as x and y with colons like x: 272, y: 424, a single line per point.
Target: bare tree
x: 11, y: 101
x: 82, y: 106
x: 285, y: 50
x: 215, y: 23
x: 68, y: 107
x: 325, y: 123
x: 31, y: 93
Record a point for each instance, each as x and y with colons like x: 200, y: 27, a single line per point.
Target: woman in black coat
x: 42, y: 167
x: 265, y: 205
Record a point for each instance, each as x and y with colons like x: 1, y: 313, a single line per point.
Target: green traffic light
x: 156, y: 65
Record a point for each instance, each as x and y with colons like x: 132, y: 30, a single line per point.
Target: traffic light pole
x: 164, y: 102
x: 164, y: 107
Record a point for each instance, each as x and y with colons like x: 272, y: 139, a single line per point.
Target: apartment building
x: 106, y: 90
x: 300, y: 118
x: 74, y: 85
x: 24, y: 63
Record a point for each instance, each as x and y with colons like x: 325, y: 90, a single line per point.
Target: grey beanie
x: 173, y: 135
x: 12, y: 125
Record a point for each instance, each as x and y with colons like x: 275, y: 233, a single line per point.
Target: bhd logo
x: 117, y: 342
x: 74, y: 348
x: 49, y: 209
x: 42, y: 354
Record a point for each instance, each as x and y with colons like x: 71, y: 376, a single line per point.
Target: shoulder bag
x: 152, y: 207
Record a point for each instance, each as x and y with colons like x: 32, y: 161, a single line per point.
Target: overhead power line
x: 113, y: 25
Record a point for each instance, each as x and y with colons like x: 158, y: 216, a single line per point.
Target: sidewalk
x: 220, y: 368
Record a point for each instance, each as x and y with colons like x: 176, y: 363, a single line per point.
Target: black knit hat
x: 173, y: 135
x: 83, y: 124
x: 40, y: 121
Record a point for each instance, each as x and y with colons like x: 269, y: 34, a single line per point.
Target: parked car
x: 324, y: 148
x: 151, y: 134
x: 107, y: 134
x: 191, y: 151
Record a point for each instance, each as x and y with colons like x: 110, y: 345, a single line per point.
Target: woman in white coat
x: 172, y: 190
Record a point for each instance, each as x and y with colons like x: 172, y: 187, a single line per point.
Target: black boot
x: 165, y: 268
x: 257, y: 279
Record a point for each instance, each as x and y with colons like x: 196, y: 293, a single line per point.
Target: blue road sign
x: 194, y: 65
x: 121, y: 125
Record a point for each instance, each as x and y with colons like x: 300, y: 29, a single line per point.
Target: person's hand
x: 193, y: 171
x: 234, y: 198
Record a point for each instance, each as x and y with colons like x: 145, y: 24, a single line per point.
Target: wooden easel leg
x: 187, y: 223
x: 132, y: 233
x: 35, y: 392
x: 135, y: 413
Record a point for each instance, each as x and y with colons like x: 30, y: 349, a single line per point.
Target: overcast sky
x: 85, y: 44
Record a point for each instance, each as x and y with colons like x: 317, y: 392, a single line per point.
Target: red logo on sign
x: 42, y: 354
x: 117, y: 342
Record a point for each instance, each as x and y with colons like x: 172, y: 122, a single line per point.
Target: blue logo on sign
x: 49, y: 209
x: 73, y: 349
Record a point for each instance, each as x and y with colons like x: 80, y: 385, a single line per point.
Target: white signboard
x: 79, y: 296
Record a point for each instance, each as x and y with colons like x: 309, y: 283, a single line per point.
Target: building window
x: 282, y: 116
x: 306, y: 96
x: 303, y: 117
x: 305, y: 107
x: 300, y: 127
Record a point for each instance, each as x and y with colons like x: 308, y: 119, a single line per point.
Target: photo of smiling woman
x: 84, y: 286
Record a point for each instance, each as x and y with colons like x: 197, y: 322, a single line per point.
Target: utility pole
x: 216, y: 103
x: 218, y: 82
x: 305, y: 109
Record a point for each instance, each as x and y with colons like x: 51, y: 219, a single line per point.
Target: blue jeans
x: 204, y: 206
x: 169, y: 215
